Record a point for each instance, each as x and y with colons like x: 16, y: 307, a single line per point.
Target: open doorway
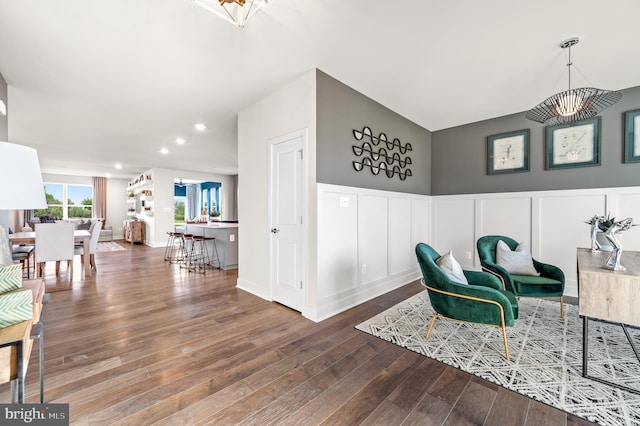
x: 196, y: 201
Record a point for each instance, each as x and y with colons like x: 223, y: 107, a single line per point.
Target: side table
x: 609, y: 296
x: 16, y: 342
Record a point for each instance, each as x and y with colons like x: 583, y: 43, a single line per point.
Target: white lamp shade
x: 20, y: 178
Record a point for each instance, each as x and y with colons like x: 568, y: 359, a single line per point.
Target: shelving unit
x: 140, y: 197
x: 146, y: 205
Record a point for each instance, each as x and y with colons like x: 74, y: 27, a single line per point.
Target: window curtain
x: 192, y: 201
x: 100, y: 198
x: 27, y: 216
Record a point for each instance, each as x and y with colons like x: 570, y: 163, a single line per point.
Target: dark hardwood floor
x: 145, y: 342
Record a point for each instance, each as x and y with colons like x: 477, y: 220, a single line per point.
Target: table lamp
x: 22, y: 187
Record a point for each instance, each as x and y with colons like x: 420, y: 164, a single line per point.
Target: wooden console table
x: 609, y: 296
x: 16, y: 342
x: 134, y: 231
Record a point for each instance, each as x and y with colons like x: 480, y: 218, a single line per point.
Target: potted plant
x: 215, y: 214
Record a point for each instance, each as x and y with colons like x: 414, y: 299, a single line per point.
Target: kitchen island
x: 226, y: 241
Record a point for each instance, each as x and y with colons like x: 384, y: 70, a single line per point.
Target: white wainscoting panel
x: 371, y: 228
x: 453, y: 228
x: 553, y: 222
x: 562, y: 228
x: 506, y: 216
x: 378, y: 230
x: 372, y: 237
x: 628, y: 205
x: 337, y: 243
x: 420, y: 219
x: 400, y: 250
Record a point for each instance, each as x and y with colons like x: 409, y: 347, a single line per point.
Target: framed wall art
x: 573, y: 145
x: 632, y: 136
x: 508, y: 152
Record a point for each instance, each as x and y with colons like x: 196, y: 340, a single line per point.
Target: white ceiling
x: 92, y: 83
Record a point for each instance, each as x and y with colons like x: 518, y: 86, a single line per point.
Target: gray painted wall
x: 459, y: 157
x: 340, y: 109
x: 4, y: 119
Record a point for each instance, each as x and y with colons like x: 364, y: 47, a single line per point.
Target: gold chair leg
x: 561, y: 308
x: 506, y: 345
x: 433, y: 321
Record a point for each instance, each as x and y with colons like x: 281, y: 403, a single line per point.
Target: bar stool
x: 200, y: 257
x: 174, y: 252
x: 187, y: 251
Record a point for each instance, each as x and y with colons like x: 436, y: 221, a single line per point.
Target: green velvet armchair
x: 550, y: 282
x: 482, y: 301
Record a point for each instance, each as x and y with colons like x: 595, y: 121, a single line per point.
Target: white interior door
x: 286, y: 220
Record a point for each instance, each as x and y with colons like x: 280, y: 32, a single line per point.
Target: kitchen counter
x: 226, y: 240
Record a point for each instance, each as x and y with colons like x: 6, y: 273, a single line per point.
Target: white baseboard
x: 341, y: 303
x: 255, y: 289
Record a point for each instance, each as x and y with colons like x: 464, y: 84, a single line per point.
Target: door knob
x: 275, y: 230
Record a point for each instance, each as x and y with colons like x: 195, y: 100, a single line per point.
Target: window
x: 178, y: 210
x: 66, y: 201
x: 211, y: 198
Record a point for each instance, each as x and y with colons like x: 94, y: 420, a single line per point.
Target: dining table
x: 80, y: 236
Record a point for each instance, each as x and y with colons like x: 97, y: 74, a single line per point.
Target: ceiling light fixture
x: 180, y: 141
x: 238, y: 12
x: 574, y: 104
x: 200, y: 127
x: 164, y: 151
x: 118, y: 166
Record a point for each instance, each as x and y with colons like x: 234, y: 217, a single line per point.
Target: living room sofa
x: 106, y: 233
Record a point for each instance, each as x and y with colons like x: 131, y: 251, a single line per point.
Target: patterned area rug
x: 545, y: 350
x: 104, y: 246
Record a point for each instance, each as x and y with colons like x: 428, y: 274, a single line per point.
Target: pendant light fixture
x: 573, y: 105
x: 238, y: 12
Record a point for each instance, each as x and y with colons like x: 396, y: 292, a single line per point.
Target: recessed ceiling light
x: 164, y: 151
x: 180, y: 141
x: 118, y: 166
x: 107, y: 175
x: 200, y: 127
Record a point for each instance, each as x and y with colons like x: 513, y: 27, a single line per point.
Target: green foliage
x: 178, y: 211
x: 606, y: 224
x: 79, y: 212
x: 51, y: 211
x: 50, y: 198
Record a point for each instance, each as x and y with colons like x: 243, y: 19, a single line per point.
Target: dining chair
x: 23, y: 254
x: 5, y: 248
x: 54, y: 242
x: 94, y: 229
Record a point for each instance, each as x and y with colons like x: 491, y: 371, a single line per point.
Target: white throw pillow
x: 518, y: 262
x: 452, y: 268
